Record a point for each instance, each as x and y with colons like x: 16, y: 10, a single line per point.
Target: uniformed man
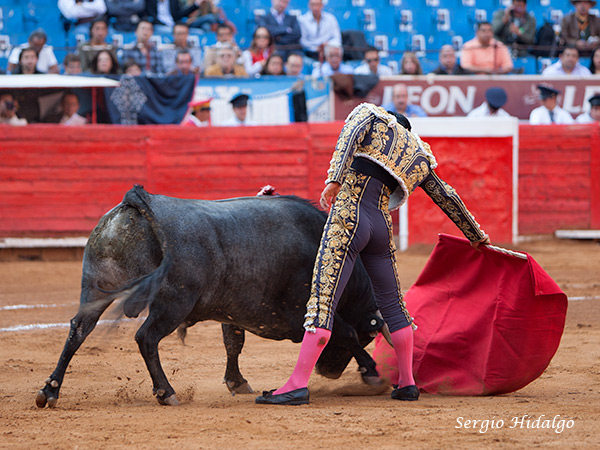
x: 549, y: 113
x: 593, y: 115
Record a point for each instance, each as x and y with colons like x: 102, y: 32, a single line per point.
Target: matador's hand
x: 329, y: 194
x: 484, y: 241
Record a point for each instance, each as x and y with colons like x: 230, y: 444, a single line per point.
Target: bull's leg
x: 366, y: 364
x: 160, y: 323
x: 81, y: 326
x: 233, y: 338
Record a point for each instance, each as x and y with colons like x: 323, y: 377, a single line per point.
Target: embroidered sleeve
x: 351, y: 136
x: 448, y: 200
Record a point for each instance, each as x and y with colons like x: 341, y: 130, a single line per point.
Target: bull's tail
x: 143, y: 289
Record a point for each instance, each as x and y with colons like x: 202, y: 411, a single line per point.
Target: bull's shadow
x: 244, y: 262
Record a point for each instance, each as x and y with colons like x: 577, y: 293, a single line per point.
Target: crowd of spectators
x: 286, y: 44
x: 315, y: 35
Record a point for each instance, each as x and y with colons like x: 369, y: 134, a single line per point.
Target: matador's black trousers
x: 359, y: 223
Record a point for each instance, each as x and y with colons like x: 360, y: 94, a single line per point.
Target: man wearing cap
x: 239, y: 104
x: 593, y: 115
x: 580, y: 28
x: 495, y: 98
x: 549, y: 113
x: 568, y: 64
x: 199, y: 114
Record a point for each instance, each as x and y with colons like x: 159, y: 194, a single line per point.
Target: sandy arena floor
x: 106, y: 399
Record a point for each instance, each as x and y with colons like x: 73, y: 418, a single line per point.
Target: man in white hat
x: 580, y: 28
x: 549, y: 113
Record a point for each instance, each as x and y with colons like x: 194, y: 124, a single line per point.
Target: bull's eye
x: 373, y: 322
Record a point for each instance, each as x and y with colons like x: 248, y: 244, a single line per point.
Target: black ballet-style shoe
x: 407, y: 393
x: 295, y: 397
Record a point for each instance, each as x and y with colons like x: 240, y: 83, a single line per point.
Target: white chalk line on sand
x: 44, y: 326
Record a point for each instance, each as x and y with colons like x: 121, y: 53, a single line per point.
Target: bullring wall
x: 58, y: 181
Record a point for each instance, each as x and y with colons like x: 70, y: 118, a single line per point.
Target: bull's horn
x: 385, y: 330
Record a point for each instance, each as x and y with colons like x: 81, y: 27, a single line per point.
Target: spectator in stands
x: 239, y: 103
x: 164, y: 14
x: 261, y: 48
x: 46, y: 60
x: 593, y: 115
x: 400, y: 103
x: 143, y: 50
x: 284, y: 27
x: 318, y: 28
x: 448, y: 63
x: 294, y: 65
x: 183, y: 64
x: 131, y: 68
x: 484, y: 54
x: 125, y: 15
x: 567, y: 64
x: 580, y: 28
x: 274, y: 65
x: 27, y: 64
x: 595, y: 62
x: 88, y: 50
x: 8, y: 110
x: 70, y: 106
x: 495, y: 98
x: 82, y: 12
x: 410, y: 64
x: 372, y: 64
x: 208, y: 17
x: 515, y: 26
x: 105, y: 64
x: 226, y: 65
x: 333, y: 62
x: 549, y: 112
x: 225, y: 36
x: 168, y: 52
x: 71, y: 64
x: 199, y: 115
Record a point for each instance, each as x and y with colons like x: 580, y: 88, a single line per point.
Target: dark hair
x: 402, y: 120
x: 272, y: 56
x: 480, y: 24
x: 569, y: 47
x: 27, y: 49
x: 95, y: 21
x: 69, y: 58
x: 593, y: 68
x: 115, y: 65
x: 180, y: 24
x: 184, y: 51
x: 253, y: 43
x: 224, y: 25
x: 130, y: 63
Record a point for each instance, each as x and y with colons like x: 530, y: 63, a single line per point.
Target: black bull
x: 244, y: 262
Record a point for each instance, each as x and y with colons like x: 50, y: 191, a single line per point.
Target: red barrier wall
x: 60, y: 180
x: 559, y: 178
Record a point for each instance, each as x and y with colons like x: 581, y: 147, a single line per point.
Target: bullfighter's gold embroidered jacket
x: 370, y: 132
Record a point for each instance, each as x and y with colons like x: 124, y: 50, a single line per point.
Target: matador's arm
x: 448, y: 200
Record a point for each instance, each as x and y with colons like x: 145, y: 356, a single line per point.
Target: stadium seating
x: 394, y: 26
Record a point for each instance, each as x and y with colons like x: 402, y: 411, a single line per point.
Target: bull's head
x: 348, y: 341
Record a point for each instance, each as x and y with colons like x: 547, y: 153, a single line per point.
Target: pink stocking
x: 403, y: 346
x: 312, y: 346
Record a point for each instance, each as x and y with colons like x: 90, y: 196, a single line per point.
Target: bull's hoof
x: 41, y: 399
x: 169, y: 401
x: 372, y: 380
x: 243, y: 389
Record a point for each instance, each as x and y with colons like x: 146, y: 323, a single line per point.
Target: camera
x: 9, y: 106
